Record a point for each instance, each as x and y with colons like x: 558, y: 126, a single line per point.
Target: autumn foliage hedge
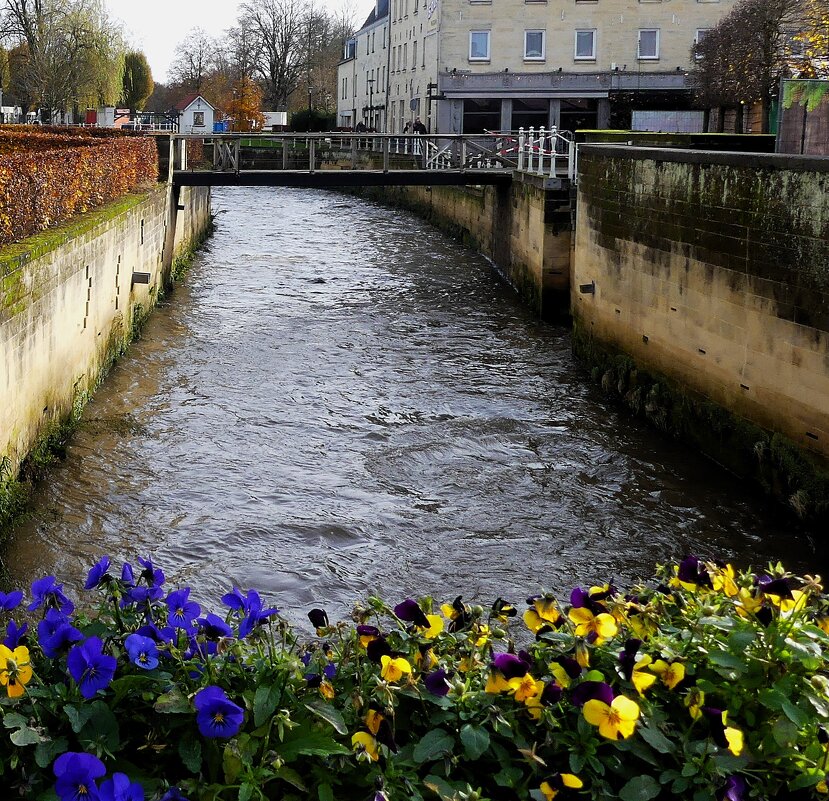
x: 49, y: 175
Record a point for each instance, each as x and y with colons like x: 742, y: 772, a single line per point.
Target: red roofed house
x: 195, y: 115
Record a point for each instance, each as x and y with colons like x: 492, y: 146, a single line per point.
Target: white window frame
x: 543, y: 55
x: 639, y: 55
x: 576, y: 56
x: 697, y: 32
x: 488, y: 35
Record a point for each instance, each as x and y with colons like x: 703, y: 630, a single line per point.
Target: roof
x: 370, y: 19
x: 188, y: 101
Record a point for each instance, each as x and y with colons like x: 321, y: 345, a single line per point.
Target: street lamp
x: 370, y: 102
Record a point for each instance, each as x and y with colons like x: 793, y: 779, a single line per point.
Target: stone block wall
x: 712, y: 269
x: 69, y: 307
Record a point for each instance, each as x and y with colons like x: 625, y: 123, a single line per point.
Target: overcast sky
x: 157, y: 26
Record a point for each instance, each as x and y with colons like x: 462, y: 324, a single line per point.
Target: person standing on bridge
x: 419, y: 128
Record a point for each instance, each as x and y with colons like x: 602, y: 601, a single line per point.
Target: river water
x: 340, y: 400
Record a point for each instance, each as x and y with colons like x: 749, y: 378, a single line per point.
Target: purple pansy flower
x: 410, y: 612
x: 377, y: 649
x: 693, y: 571
x: 97, y: 573
x: 174, y: 794
x: 76, y: 774
x: 318, y: 618
x: 182, y: 611
x: 437, y: 682
x: 151, y: 574
x: 47, y: 593
x: 14, y: 634
x: 627, y: 658
x: 90, y: 667
x: 120, y: 788
x: 510, y: 666
x: 55, y: 632
x: 142, y: 651
x: 590, y: 690
x: 734, y: 790
x: 216, y: 714
x: 213, y: 627
x: 11, y: 600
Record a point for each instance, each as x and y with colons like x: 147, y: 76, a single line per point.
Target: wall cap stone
x: 775, y: 161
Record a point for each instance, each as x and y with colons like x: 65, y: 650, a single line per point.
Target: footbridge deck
x: 368, y: 159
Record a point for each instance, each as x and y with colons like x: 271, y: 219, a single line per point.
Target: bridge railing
x: 548, y: 152
x: 346, y: 150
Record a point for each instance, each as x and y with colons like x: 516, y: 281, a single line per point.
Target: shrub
x: 50, y: 175
x: 704, y: 684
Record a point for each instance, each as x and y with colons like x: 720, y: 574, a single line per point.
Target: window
x: 585, y: 45
x: 534, y: 45
x: 649, y: 43
x: 698, y: 37
x: 482, y: 115
x: 372, y: 42
x: 479, y: 45
x: 406, y: 56
x: 198, y: 119
x: 414, y: 54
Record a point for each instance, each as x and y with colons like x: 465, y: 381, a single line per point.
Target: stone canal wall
x: 524, y: 229
x: 707, y: 278
x: 69, y: 307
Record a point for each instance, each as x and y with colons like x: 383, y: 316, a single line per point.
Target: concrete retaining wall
x: 69, y: 307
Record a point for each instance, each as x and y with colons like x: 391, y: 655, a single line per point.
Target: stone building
x: 473, y: 65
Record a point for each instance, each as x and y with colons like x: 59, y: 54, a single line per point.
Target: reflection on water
x: 342, y: 400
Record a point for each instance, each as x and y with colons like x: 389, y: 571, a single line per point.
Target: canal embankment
x: 698, y: 284
x: 73, y: 297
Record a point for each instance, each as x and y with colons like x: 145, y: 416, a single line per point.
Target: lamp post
x: 371, y: 102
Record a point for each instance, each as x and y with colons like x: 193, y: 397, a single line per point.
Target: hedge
x: 49, y: 175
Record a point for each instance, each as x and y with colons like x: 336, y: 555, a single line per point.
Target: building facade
x: 466, y: 66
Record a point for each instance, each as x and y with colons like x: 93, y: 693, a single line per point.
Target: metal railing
x: 548, y: 152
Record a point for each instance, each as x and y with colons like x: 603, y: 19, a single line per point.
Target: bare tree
x: 194, y: 61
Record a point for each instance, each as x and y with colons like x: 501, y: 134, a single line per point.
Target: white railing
x: 548, y: 152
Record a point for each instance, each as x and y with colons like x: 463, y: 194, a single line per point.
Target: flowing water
x: 341, y: 400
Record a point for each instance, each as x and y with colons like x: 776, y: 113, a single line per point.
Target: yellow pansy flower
x: 327, y: 689
x: 615, y: 721
x: 394, y: 669
x: 481, y: 634
x: 436, y: 626
x: 822, y: 787
x: 602, y: 625
x: 695, y: 700
x: 734, y: 738
x: 583, y: 655
x: 496, y: 683
x: 640, y: 678
x: 543, y: 612
x: 525, y: 687
x: 671, y: 673
x: 748, y: 603
x: 15, y: 669
x: 363, y: 743
x: 561, y: 676
x: 723, y: 579
x: 554, y: 785
x: 373, y: 720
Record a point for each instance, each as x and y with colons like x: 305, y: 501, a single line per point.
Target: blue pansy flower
x: 127, y: 575
x: 10, y: 600
x: 48, y: 593
x: 90, y: 667
x: 213, y: 627
x: 216, y: 714
x: 55, y: 632
x: 142, y: 651
x: 182, y: 611
x: 97, y: 573
x: 142, y: 596
x: 76, y: 774
x: 250, y: 606
x: 14, y: 634
x: 437, y: 682
x: 120, y: 788
x: 151, y: 574
x: 329, y: 671
x: 174, y: 794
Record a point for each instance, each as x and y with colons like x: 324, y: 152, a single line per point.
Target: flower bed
x: 49, y: 175
x: 704, y: 684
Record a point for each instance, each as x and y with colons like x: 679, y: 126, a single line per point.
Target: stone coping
x: 775, y: 161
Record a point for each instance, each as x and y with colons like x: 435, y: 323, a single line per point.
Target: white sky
x: 157, y: 26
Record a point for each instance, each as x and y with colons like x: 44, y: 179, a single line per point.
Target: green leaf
x: 292, y: 777
x: 820, y: 705
x: 231, y: 762
x: 26, y: 736
x: 303, y: 740
x: 727, y: 660
x: 441, y: 787
x: 508, y: 776
x: 807, y: 779
x: 795, y: 714
x: 640, y: 788
x: 656, y: 740
x: 46, y: 751
x: 246, y: 792
x: 475, y: 741
x: 78, y: 717
x: 172, y: 702
x: 436, y: 744
x: 264, y: 704
x: 14, y: 721
x: 772, y: 699
x: 101, y: 728
x: 738, y: 641
x: 784, y: 732
x: 329, y: 714
x: 189, y: 749
x: 325, y: 793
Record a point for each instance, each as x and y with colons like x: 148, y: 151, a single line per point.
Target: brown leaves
x: 48, y: 176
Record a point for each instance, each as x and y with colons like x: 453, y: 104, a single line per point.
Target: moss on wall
x: 777, y: 465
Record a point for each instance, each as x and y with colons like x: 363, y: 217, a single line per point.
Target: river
x: 341, y: 400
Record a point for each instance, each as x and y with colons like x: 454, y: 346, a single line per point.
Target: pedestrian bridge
x: 370, y: 159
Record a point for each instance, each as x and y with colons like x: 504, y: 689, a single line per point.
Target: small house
x: 195, y: 115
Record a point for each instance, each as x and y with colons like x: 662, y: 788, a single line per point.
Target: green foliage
x: 319, y: 121
x: 138, y: 80
x: 807, y: 93
x: 721, y: 677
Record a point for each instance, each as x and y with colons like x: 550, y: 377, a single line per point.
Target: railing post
x: 353, y: 152
x: 542, y: 148
x: 520, y: 149
x: 312, y: 154
x: 386, y: 143
x: 284, y: 153
x: 571, y: 160
x: 216, y: 165
x: 237, y: 154
x: 463, y: 154
x: 531, y: 154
